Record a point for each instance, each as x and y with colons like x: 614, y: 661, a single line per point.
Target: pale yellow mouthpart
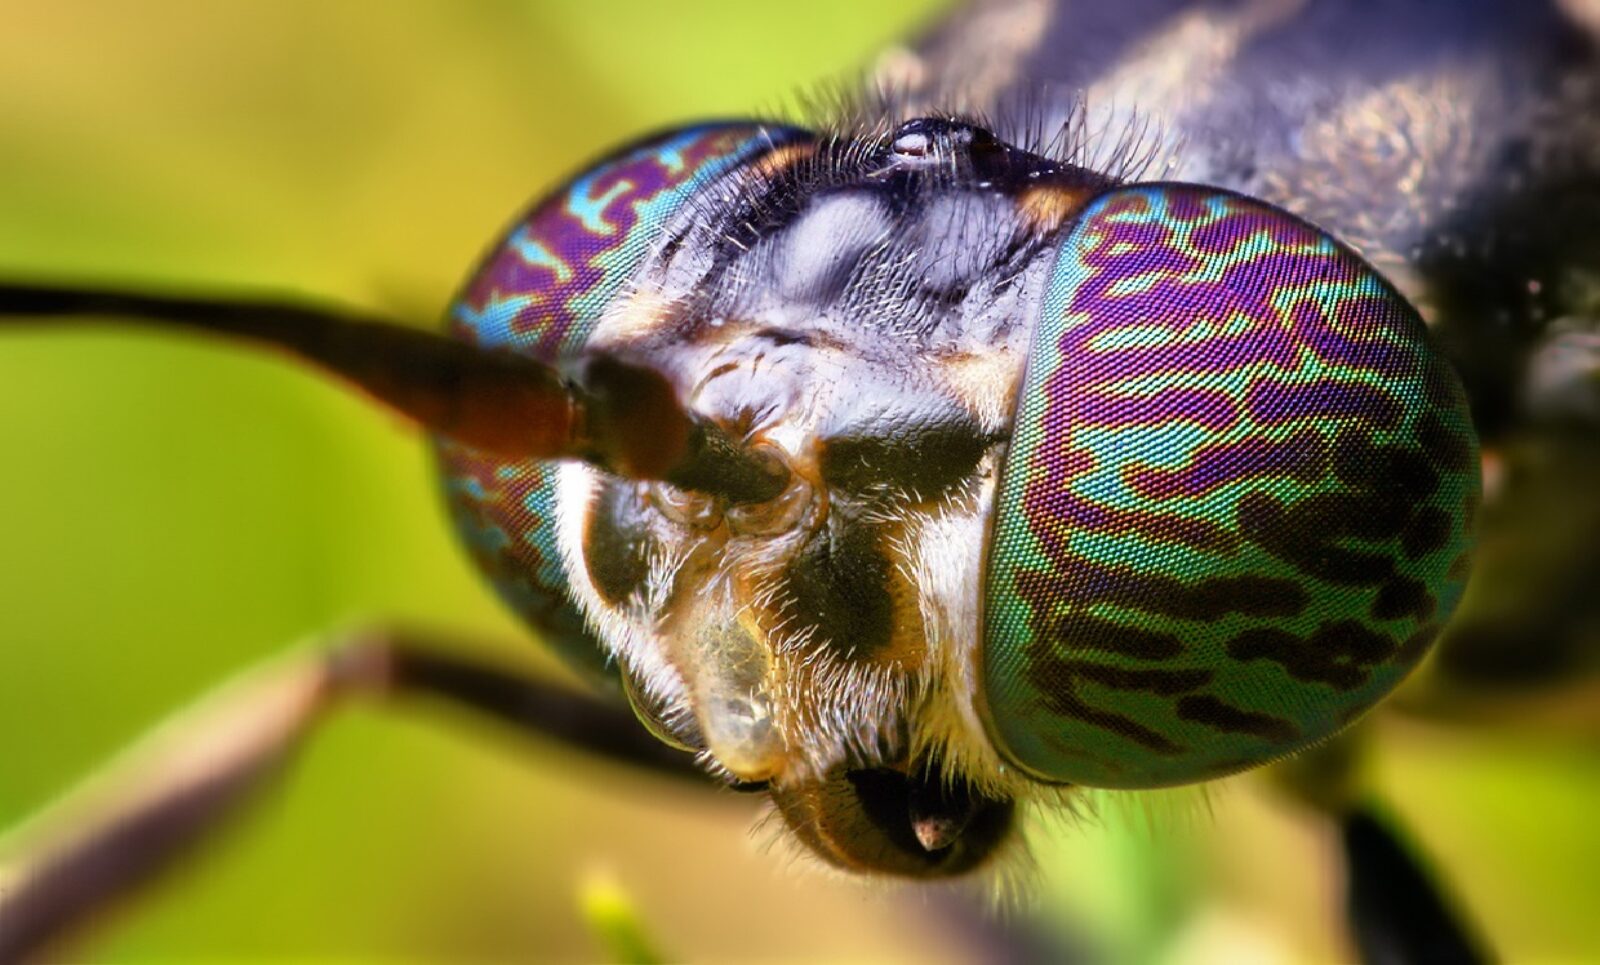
x: 727, y: 665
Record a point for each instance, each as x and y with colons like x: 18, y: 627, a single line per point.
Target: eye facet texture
x: 540, y: 292
x: 1237, y: 503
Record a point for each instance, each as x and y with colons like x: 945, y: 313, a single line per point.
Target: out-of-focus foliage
x: 172, y: 511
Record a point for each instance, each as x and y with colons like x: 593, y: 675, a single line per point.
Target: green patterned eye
x: 1237, y: 504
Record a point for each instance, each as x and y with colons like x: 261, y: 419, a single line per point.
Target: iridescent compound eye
x: 540, y: 292
x: 1237, y: 502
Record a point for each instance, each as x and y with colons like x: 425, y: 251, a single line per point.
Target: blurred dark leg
x: 163, y: 799
x: 1398, y: 914
x: 1396, y: 911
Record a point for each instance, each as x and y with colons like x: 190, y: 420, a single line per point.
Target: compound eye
x: 1237, y: 502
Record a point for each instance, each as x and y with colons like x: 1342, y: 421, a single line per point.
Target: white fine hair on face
x: 948, y: 570
x: 632, y: 642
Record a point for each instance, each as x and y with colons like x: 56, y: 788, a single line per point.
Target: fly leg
x: 1396, y: 908
x: 62, y: 869
x: 1396, y: 911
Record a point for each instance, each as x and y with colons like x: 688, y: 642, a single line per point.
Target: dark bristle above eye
x: 961, y: 151
x: 768, y: 207
x: 1041, y: 123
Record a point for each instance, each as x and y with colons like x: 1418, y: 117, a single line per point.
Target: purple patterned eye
x: 1238, y: 500
x: 540, y: 292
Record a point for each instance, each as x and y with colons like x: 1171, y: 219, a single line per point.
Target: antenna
x: 621, y: 417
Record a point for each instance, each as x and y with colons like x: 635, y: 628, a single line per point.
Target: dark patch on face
x: 670, y: 249
x: 923, y: 452
x: 838, y: 584
x: 617, y: 542
x: 1217, y: 714
x: 887, y: 798
x: 1339, y: 653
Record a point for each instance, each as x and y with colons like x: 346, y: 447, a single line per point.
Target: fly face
x: 1077, y: 670
x: 830, y: 307
x: 893, y: 657
x: 856, y: 311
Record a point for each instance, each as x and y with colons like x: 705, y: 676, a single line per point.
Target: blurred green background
x: 172, y: 511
